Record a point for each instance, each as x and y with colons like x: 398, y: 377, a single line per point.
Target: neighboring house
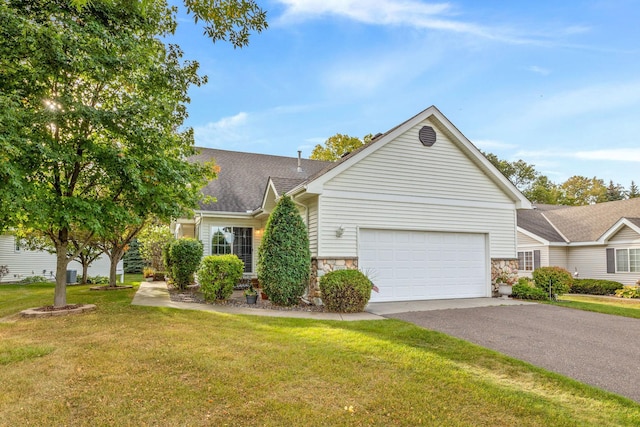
x: 23, y: 262
x: 600, y: 241
x: 419, y: 209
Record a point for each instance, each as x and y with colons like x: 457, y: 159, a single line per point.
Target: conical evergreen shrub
x: 284, y: 259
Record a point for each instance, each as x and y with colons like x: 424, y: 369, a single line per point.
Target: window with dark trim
x: 234, y: 240
x: 525, y: 261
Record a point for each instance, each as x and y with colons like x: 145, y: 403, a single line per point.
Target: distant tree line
x: 575, y: 191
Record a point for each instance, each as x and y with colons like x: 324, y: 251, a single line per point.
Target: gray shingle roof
x: 532, y: 220
x: 243, y: 177
x: 580, y: 223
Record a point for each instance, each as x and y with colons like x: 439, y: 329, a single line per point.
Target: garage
x: 421, y: 265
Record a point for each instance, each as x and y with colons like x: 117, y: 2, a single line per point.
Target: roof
x: 579, y: 223
x: 243, y: 177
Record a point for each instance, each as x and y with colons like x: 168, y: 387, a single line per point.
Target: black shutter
x: 536, y: 260
x: 611, y: 260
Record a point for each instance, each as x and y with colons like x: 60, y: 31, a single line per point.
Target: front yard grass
x: 128, y: 365
x: 600, y: 304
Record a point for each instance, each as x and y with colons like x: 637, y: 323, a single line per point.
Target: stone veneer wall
x: 505, y: 267
x: 322, y: 266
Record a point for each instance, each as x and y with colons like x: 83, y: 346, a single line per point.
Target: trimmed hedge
x: 595, y: 286
x: 629, y: 292
x: 184, y: 259
x: 345, y: 291
x: 559, y: 278
x: 524, y: 291
x: 218, y: 274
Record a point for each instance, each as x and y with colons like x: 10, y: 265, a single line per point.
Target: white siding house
x: 419, y: 208
x: 24, y: 263
x: 599, y: 241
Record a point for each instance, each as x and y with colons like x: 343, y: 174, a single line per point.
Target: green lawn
x: 617, y: 306
x: 126, y: 365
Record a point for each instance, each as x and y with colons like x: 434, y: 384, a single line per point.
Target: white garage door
x: 419, y: 265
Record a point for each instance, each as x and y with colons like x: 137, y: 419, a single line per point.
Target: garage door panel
x: 412, y: 265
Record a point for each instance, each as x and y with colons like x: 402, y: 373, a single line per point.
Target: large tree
x: 93, y: 102
x: 520, y: 173
x: 580, y: 190
x: 337, y: 146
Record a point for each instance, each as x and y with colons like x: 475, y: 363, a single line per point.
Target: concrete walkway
x: 155, y: 294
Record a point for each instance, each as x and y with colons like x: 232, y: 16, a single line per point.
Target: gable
x: 625, y: 235
x: 406, y: 167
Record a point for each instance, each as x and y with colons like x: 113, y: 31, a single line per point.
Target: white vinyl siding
x: 591, y: 263
x: 558, y: 257
x: 625, y: 235
x: 313, y: 227
x: 405, y: 167
x: 498, y: 224
x: 24, y: 263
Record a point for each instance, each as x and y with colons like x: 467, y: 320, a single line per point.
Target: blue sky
x: 555, y: 83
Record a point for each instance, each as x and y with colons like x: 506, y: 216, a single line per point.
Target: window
x: 627, y: 260
x: 525, y: 261
x: 234, y: 240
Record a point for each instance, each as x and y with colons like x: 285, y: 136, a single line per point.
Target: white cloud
x: 613, y: 154
x: 227, y: 130
x: 485, y: 144
x: 539, y: 70
x: 413, y: 13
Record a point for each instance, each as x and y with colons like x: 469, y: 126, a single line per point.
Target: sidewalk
x: 155, y: 294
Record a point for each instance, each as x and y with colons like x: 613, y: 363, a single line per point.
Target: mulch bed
x: 193, y: 295
x: 50, y: 310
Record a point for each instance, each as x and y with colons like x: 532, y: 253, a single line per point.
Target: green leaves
x: 284, y: 259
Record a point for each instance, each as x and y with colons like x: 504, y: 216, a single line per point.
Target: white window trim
x: 524, y: 257
x: 628, y: 251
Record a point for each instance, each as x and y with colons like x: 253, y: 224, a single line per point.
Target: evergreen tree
x: 615, y: 192
x: 633, y: 191
x: 133, y: 262
x: 284, y: 258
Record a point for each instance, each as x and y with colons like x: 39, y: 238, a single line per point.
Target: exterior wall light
x: 339, y: 231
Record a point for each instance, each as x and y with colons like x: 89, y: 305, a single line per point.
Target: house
x: 419, y: 209
x: 600, y: 241
x: 23, y: 262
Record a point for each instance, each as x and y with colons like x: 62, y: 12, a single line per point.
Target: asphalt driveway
x: 597, y: 349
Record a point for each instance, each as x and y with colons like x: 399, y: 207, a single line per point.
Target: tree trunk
x: 60, y: 293
x: 85, y: 271
x: 114, y: 255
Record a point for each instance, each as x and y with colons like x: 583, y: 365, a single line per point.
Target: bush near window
x: 185, y: 255
x: 595, y: 286
x: 557, y: 277
x: 284, y: 259
x: 629, y: 292
x: 218, y: 274
x: 345, y: 291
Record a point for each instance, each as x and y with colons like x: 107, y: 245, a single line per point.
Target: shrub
x: 152, y: 240
x: 595, y: 286
x: 629, y: 292
x: 345, y: 291
x: 559, y: 278
x: 97, y: 280
x: 284, y: 259
x: 33, y: 279
x: 523, y: 290
x: 148, y: 272
x: 218, y: 274
x: 185, y: 255
x: 4, y: 270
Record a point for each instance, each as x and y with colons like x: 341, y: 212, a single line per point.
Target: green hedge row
x: 595, y: 286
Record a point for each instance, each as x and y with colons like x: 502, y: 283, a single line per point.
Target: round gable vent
x: 427, y: 136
